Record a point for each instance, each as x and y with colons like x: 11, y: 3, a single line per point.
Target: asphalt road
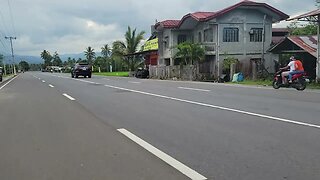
x: 222, y: 132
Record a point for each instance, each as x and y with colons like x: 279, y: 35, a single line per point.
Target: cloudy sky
x: 69, y: 26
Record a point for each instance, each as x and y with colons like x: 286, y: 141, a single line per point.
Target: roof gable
x: 205, y: 16
x: 307, y: 43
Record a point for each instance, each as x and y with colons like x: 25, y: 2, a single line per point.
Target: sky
x: 69, y: 26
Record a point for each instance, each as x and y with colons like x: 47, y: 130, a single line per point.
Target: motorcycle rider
x: 298, y: 68
x: 290, y: 66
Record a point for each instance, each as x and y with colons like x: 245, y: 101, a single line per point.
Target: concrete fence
x: 188, y: 72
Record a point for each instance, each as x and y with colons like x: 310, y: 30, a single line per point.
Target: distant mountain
x: 38, y: 60
x: 29, y: 59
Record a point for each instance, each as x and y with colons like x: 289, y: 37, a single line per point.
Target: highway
x: 53, y: 126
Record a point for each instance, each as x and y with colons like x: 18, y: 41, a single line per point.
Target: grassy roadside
x: 269, y: 83
x: 120, y: 74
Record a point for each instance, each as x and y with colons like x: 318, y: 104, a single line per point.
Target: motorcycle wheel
x: 301, y: 85
x: 275, y: 84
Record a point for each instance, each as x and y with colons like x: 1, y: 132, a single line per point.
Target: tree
x: 106, y: 51
x: 1, y: 60
x: 71, y: 62
x: 129, y: 47
x: 190, y: 53
x: 90, y: 54
x: 24, y: 65
x: 296, y: 28
x: 101, y: 62
x: 56, y: 59
x: 45, y: 55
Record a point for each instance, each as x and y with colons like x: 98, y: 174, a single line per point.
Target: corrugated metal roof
x: 306, y: 15
x: 307, y: 43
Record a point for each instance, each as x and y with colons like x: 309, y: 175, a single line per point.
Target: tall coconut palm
x: 46, y: 56
x: 129, y: 47
x: 90, y: 54
x: 106, y: 51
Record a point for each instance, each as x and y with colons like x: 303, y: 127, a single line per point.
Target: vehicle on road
x: 81, y: 69
x: 299, y: 81
x: 142, y: 73
x: 1, y: 74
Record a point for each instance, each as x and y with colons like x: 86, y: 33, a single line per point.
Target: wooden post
x: 232, y: 70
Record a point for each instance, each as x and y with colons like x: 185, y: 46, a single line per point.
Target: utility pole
x: 14, y: 67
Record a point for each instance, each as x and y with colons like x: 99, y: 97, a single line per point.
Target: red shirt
x: 298, y: 65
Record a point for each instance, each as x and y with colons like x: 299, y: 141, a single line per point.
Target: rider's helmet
x: 292, y: 58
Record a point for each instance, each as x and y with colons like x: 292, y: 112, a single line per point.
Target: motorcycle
x: 299, y: 81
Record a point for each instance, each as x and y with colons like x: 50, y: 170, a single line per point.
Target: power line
x: 4, y: 23
x: 11, y: 16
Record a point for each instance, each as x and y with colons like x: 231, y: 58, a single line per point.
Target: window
x: 208, y: 35
x: 182, y: 38
x: 166, y: 42
x: 199, y: 37
x: 256, y: 35
x: 230, y: 35
x: 167, y: 61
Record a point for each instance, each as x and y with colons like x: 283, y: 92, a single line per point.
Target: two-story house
x: 242, y: 31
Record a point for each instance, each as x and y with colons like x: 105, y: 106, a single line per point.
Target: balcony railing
x: 209, y: 47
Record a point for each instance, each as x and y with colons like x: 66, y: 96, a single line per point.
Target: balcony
x: 209, y: 47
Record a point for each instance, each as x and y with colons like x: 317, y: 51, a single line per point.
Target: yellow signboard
x: 151, y: 45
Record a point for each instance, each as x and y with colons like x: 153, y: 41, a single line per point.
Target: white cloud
x: 69, y: 26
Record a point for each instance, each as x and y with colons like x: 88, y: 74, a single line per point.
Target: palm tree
x: 56, y: 59
x: 106, y: 51
x: 90, y: 54
x: 46, y: 56
x: 129, y: 47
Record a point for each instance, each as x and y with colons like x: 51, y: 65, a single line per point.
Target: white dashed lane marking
x: 194, y: 89
x: 69, y: 97
x: 192, y: 174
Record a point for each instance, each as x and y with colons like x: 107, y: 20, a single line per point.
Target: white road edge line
x: 194, y: 89
x: 69, y: 97
x: 192, y: 174
x: 8, y: 82
x: 51, y: 85
x: 219, y: 107
x: 134, y: 82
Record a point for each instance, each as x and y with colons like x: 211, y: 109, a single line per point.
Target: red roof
x: 202, y: 16
x: 280, y: 30
x: 205, y: 16
x: 169, y: 23
x: 282, y: 15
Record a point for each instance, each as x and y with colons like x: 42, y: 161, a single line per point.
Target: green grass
x: 313, y: 86
x: 121, y: 74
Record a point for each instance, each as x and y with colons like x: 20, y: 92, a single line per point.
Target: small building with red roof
x: 243, y: 31
x: 304, y: 47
